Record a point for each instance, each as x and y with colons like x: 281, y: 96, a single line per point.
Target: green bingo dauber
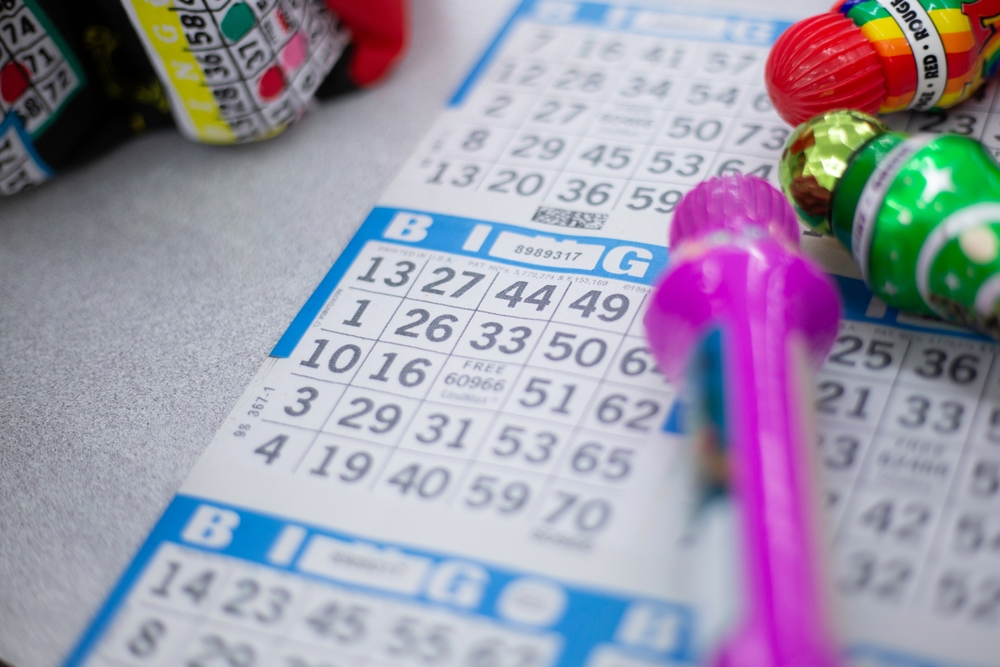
x: 920, y: 214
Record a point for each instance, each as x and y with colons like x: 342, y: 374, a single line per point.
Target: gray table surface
x: 139, y: 295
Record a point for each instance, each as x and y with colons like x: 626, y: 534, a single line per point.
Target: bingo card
x: 39, y: 75
x: 242, y: 71
x: 460, y: 453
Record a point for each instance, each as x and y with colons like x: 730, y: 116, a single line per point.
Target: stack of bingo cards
x: 77, y: 78
x: 238, y: 71
x: 39, y: 75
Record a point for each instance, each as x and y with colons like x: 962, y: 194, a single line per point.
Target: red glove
x: 378, y: 30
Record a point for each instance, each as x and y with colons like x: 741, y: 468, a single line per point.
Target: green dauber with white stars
x: 932, y: 203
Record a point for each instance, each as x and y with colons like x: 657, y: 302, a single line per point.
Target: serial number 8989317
x: 547, y: 253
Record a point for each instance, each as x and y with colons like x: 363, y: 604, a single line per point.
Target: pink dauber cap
x: 733, y: 203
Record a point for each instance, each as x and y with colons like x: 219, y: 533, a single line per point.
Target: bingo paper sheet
x: 461, y: 454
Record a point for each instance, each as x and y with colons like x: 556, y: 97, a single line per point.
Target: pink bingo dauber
x: 748, y: 317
